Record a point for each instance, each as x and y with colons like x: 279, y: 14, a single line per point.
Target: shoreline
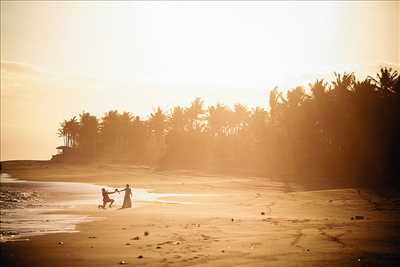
x: 248, y: 221
x: 31, y: 208
x: 33, y: 170
x: 62, y: 207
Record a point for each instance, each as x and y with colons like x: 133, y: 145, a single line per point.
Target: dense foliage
x: 345, y: 128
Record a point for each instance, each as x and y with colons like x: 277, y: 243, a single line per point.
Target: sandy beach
x: 227, y: 221
x: 199, y: 133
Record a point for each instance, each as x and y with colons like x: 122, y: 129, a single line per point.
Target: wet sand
x: 30, y: 208
x: 243, y: 221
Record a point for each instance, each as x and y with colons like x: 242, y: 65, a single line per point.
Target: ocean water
x: 34, y: 208
x: 30, y: 208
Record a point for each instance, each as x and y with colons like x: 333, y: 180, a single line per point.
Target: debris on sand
x: 359, y: 217
x: 7, y: 233
x: 140, y: 257
x: 205, y: 237
x: 146, y: 233
x: 268, y: 219
x: 92, y: 237
x: 158, y: 247
x: 60, y: 243
x: 263, y: 213
x: 123, y: 262
x: 232, y: 219
x: 135, y: 238
x: 223, y: 251
x: 127, y: 244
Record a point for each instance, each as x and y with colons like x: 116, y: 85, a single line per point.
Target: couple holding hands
x: 127, y: 198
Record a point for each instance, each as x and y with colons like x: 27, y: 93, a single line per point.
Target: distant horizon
x: 168, y: 110
x: 190, y: 133
x: 135, y: 56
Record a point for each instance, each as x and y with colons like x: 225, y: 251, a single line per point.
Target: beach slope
x: 224, y: 221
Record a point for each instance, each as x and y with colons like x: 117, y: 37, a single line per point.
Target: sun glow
x: 139, y: 55
x: 197, y: 44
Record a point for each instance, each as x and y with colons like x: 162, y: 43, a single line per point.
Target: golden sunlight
x: 141, y: 55
x: 200, y: 133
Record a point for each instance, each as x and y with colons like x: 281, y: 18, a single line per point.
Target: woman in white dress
x: 127, y: 198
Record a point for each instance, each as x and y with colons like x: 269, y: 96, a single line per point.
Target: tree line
x: 346, y: 128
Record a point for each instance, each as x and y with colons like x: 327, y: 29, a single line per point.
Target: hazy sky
x: 59, y: 58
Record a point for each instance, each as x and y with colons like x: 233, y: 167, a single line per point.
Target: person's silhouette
x: 127, y: 198
x: 106, y: 198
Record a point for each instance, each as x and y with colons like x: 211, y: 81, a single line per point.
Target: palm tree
x: 274, y: 96
x: 62, y: 132
x: 318, y: 89
x: 218, y: 120
x: 109, y: 130
x: 69, y: 130
x: 158, y: 128
x: 158, y: 122
x: 125, y: 124
x: 241, y: 117
x: 74, y: 131
x: 342, y: 84
x: 387, y: 81
x: 138, y: 138
x: 88, y: 133
x: 194, y: 113
x: 345, y: 128
x: 177, y: 119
